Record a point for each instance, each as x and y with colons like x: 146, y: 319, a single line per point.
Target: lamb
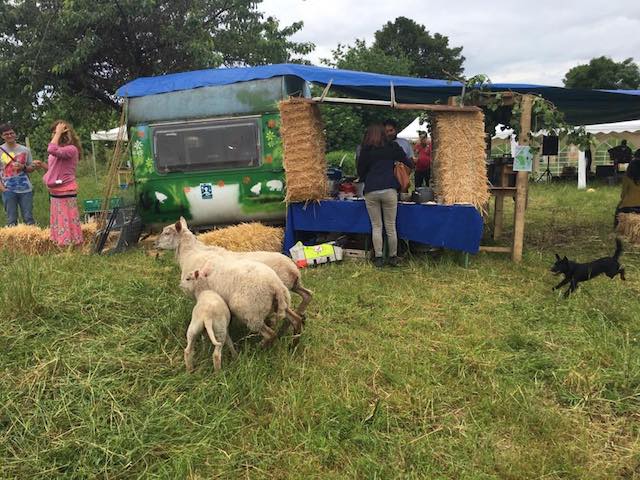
x: 190, y: 251
x: 212, y: 314
x: 251, y: 290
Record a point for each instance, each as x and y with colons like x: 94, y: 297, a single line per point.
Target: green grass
x: 427, y: 371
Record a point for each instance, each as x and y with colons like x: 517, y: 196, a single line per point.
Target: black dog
x: 574, y: 272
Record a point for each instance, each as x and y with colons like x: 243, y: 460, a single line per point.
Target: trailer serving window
x: 207, y: 145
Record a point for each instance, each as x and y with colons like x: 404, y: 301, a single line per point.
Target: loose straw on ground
x: 304, y: 143
x: 459, y: 168
x: 246, y: 237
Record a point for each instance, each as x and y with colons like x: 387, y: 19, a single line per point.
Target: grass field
x: 427, y: 371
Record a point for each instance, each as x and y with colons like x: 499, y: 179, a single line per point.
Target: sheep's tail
x: 212, y: 337
x: 282, y: 301
x: 618, y: 251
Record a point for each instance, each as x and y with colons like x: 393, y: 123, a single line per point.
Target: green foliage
x: 58, y: 50
x: 368, y: 59
x: 346, y: 157
x: 430, y: 55
x: 346, y: 125
x: 604, y: 73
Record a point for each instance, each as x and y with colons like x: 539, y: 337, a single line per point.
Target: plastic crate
x: 94, y: 205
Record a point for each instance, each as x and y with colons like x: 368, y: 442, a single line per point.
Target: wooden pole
x: 93, y: 157
x: 522, y: 182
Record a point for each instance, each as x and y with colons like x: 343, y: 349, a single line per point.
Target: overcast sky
x: 517, y: 41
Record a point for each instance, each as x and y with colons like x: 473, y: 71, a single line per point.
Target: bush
x: 348, y: 165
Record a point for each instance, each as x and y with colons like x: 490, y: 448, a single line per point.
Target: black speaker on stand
x: 549, y: 148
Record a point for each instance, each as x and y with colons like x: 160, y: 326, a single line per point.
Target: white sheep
x: 210, y: 313
x: 190, y: 251
x: 251, y: 290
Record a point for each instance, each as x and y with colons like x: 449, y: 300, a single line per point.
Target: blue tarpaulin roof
x: 580, y: 106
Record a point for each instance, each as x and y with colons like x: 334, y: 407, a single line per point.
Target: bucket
x: 359, y: 188
x: 424, y: 194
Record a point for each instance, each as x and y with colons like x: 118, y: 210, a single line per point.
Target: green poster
x: 523, y: 161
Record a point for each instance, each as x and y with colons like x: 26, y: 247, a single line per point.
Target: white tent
x: 106, y: 136
x: 410, y: 132
x: 618, y: 127
x: 109, y: 135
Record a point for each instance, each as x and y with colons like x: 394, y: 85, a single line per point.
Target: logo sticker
x: 206, y: 191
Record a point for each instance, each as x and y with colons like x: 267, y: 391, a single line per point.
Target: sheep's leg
x: 217, y: 350
x: 229, y: 343
x: 268, y: 335
x: 296, y: 323
x: 193, y: 332
x: 306, y: 295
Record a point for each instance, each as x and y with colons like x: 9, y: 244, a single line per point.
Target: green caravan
x: 211, y: 154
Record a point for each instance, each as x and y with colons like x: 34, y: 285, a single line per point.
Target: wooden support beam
x: 489, y: 248
x: 498, y: 211
x: 436, y: 108
x: 522, y: 182
x: 498, y: 217
x: 392, y: 104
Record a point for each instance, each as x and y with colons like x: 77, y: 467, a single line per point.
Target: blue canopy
x: 580, y: 106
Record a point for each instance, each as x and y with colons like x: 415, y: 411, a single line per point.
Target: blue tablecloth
x: 456, y: 227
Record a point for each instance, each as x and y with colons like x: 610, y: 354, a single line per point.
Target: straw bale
x: 304, y: 143
x: 629, y: 226
x: 459, y: 170
x: 33, y: 240
x: 246, y: 237
x: 27, y: 239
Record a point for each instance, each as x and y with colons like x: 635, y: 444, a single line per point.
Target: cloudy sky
x: 517, y: 41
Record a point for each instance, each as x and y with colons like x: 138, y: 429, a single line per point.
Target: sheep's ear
x: 557, y: 257
x: 183, y: 223
x: 196, y: 274
x: 178, y: 226
x: 206, y: 270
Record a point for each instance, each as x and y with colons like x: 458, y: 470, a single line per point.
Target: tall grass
x: 427, y: 371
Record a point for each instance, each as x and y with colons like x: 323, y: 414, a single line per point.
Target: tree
x: 429, y: 55
x: 604, y: 73
x: 53, y: 49
x: 345, y: 126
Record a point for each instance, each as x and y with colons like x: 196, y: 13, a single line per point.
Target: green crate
x: 93, y: 205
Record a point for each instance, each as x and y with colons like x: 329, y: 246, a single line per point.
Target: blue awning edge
x: 580, y: 106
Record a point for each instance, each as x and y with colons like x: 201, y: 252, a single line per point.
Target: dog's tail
x: 618, y: 251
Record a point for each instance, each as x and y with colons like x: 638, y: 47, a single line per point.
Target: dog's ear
x: 557, y: 256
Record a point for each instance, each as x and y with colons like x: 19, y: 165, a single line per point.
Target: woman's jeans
x: 14, y: 200
x: 383, y: 203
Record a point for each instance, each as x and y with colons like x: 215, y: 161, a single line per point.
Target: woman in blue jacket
x: 376, y: 162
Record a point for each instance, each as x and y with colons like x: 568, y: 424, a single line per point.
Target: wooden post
x: 522, y: 182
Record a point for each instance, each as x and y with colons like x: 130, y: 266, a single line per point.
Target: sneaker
x: 394, y: 261
x: 378, y: 262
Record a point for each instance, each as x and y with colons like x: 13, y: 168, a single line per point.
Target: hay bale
x: 27, y: 239
x: 304, y: 143
x: 245, y: 237
x: 33, y: 240
x: 629, y: 226
x: 458, y: 170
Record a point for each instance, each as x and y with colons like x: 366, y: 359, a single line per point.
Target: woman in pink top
x: 64, y: 153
